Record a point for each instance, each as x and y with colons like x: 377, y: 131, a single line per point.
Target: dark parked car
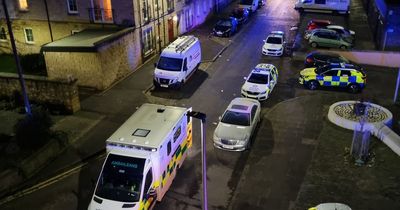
x: 225, y: 27
x: 241, y: 14
x: 316, y: 59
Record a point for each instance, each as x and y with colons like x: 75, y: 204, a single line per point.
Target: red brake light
x: 309, y: 60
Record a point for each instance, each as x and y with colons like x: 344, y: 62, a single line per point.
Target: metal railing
x: 100, y: 15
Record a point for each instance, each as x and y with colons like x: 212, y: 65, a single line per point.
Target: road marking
x: 50, y: 181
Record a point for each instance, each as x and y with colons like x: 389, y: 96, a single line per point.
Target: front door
x: 171, y: 37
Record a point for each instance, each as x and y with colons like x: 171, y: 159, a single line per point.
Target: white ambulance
x: 324, y: 6
x: 142, y: 158
x: 177, y: 62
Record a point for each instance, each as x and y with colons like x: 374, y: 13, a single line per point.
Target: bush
x: 33, y: 131
x: 33, y: 64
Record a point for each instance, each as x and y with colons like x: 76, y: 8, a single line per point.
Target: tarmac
x: 291, y: 124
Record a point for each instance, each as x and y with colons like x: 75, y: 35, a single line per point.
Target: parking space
x: 355, y: 21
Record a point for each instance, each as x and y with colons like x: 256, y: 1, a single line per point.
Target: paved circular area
x: 342, y: 114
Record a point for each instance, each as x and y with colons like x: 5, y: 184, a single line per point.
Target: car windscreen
x: 259, y: 78
x: 226, y: 23
x: 121, y: 179
x: 236, y: 118
x: 274, y: 40
x: 169, y: 64
x: 246, y: 2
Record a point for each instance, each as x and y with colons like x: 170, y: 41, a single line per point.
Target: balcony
x: 99, y: 15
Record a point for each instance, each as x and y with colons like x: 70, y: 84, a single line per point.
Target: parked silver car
x: 329, y: 38
x: 237, y: 124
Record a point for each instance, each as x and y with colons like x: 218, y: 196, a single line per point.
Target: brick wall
x: 42, y: 90
x: 113, y: 60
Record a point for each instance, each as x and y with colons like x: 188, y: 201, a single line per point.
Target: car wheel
x: 354, y: 88
x: 342, y: 47
x: 314, y: 44
x: 312, y: 85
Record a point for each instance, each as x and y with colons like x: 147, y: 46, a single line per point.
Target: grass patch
x: 7, y: 63
x: 333, y: 177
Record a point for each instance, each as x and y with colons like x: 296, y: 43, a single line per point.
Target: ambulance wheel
x: 314, y: 44
x: 354, y: 88
x: 312, y: 85
x: 342, y: 47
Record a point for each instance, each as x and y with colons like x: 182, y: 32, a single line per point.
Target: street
x: 268, y: 176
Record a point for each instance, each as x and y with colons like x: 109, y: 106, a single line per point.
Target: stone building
x: 140, y: 28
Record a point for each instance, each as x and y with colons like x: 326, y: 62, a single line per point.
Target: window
x: 146, y: 9
x: 149, y: 180
x: 170, y: 5
x: 331, y: 73
x: 148, y: 41
x: 29, y: 35
x: 320, y: 1
x: 345, y: 73
x: 169, y: 148
x: 253, y: 112
x: 23, y: 5
x: 3, y: 35
x: 177, y: 133
x: 72, y: 7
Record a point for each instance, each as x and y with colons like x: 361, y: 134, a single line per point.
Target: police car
x: 260, y: 82
x: 334, y: 75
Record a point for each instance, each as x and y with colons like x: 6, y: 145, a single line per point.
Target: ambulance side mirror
x: 219, y: 118
x: 185, y: 68
x: 152, y: 192
x: 245, y: 78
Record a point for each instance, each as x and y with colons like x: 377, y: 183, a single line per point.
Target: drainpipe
x: 163, y: 20
x: 48, y: 20
x: 17, y: 61
x: 158, y: 24
x: 140, y: 30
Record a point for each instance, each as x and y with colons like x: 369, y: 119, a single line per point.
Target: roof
x: 243, y: 105
x: 149, y: 126
x: 264, y: 67
x: 88, y: 40
x: 279, y: 33
x: 180, y: 44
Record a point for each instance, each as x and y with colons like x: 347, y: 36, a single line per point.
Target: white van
x: 251, y: 5
x: 142, y: 158
x: 325, y: 6
x: 177, y: 62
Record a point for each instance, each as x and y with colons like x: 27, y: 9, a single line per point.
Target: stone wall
x: 42, y: 90
x: 112, y: 61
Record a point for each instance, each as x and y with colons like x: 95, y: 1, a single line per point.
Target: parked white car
x: 275, y: 43
x: 331, y: 206
x: 260, y: 82
x: 237, y: 124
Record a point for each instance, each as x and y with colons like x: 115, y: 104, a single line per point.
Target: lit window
x: 72, y: 7
x: 23, y: 4
x: 3, y: 35
x: 29, y: 35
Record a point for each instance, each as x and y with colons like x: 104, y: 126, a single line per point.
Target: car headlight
x: 280, y: 49
x: 263, y: 92
x: 216, y: 138
x: 241, y: 142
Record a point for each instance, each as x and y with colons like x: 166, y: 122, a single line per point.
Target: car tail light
x: 309, y: 60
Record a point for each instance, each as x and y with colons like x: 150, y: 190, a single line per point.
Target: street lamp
x: 202, y: 117
x: 17, y: 62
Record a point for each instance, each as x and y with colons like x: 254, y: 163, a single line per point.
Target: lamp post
x: 202, y: 117
x: 17, y: 61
